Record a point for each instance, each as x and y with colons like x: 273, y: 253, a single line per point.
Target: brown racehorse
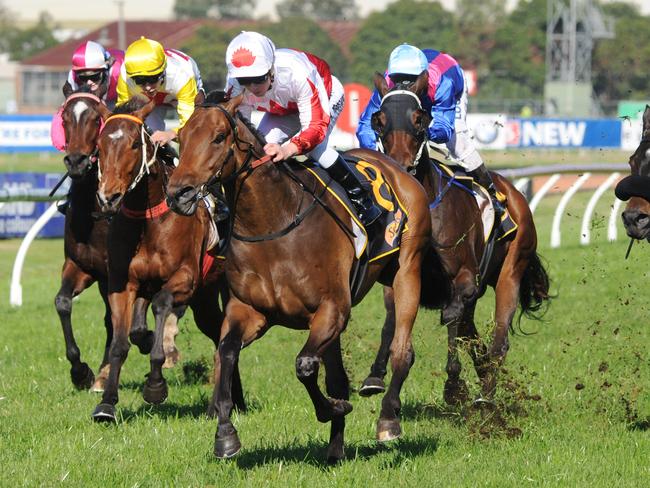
x: 85, y: 238
x: 636, y: 216
x: 514, y: 271
x: 297, y: 273
x: 153, y: 253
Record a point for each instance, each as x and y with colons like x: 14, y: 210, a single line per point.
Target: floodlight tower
x: 572, y: 26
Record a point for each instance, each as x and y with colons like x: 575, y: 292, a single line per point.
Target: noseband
x: 398, y: 105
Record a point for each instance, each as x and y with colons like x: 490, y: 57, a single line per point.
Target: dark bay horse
x: 153, y: 253
x: 635, y: 188
x: 514, y: 270
x: 85, y: 237
x: 289, y: 263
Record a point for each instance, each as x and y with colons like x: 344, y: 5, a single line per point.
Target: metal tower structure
x: 572, y: 26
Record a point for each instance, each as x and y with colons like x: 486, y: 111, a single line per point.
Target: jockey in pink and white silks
x: 301, y: 101
x: 445, y: 100
x: 96, y: 70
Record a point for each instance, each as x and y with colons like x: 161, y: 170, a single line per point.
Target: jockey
x: 96, y: 70
x: 445, y: 99
x: 301, y: 101
x: 169, y: 77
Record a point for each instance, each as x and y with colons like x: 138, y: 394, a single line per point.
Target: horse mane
x: 132, y: 105
x: 217, y: 97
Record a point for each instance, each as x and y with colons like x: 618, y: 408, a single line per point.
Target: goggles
x: 253, y: 80
x: 146, y: 80
x: 94, y: 77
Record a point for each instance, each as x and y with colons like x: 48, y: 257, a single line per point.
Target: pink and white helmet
x: 90, y: 56
x: 250, y: 54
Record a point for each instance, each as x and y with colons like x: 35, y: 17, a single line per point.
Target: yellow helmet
x: 144, y: 57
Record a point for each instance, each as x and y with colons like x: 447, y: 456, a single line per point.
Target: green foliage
x: 620, y: 65
x: 208, y: 46
x: 318, y: 9
x: 476, y: 23
x: 23, y: 43
x: 422, y: 24
x: 223, y: 9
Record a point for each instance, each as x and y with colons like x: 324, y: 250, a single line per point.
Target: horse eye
x: 220, y: 138
x: 136, y: 144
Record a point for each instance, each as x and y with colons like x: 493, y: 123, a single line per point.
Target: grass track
x: 577, y: 390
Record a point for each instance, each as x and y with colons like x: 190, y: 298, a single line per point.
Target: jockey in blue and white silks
x: 445, y: 100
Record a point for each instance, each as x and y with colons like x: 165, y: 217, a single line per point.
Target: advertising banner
x: 488, y: 130
x: 16, y: 218
x: 25, y: 133
x: 564, y: 133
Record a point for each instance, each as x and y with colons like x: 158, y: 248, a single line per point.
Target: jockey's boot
x: 221, y: 212
x: 368, y: 211
x: 483, y: 178
x: 168, y: 155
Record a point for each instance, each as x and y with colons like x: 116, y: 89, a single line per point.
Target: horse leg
x: 374, y: 383
x: 338, y: 386
x: 208, y: 318
x: 155, y: 388
x: 406, y: 286
x: 140, y: 334
x: 104, y: 368
x: 172, y: 354
x: 241, y: 321
x: 121, y: 314
x: 73, y: 282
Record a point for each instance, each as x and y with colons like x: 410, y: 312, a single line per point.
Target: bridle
x: 74, y: 96
x: 397, y: 111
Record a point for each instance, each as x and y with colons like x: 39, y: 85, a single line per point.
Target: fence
x: 522, y: 178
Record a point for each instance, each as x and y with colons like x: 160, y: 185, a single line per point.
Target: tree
x: 620, y: 65
x: 223, y: 9
x: 476, y: 24
x: 422, y: 24
x: 318, y: 9
x: 7, y: 28
x: 25, y: 43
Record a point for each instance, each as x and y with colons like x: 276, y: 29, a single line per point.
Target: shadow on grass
x: 315, y: 453
x: 174, y: 410
x: 430, y: 411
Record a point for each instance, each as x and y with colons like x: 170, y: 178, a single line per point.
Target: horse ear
x: 421, y: 83
x: 67, y: 89
x: 143, y: 112
x: 421, y: 120
x: 103, y: 110
x: 232, y: 104
x: 646, y: 119
x: 378, y: 122
x: 380, y: 83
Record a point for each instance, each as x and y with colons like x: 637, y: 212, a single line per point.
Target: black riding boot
x: 483, y: 178
x: 168, y: 155
x: 368, y: 211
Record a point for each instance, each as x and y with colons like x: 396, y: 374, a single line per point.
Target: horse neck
x: 149, y: 192
x: 426, y: 174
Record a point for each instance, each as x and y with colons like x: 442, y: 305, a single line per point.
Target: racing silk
x: 302, y: 84
x: 181, y: 84
x: 446, y: 86
x: 110, y: 97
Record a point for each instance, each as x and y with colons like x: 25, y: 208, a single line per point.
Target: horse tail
x: 436, y: 285
x: 534, y: 296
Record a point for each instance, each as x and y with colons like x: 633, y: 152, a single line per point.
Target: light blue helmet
x: 407, y: 60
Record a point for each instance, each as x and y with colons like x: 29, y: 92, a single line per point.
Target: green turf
x: 574, y: 394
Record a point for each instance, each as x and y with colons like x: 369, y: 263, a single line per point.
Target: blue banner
x: 568, y: 133
x: 16, y: 218
x: 25, y: 133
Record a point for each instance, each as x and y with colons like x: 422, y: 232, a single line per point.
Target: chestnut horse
x: 635, y: 187
x: 85, y: 238
x: 289, y: 263
x: 153, y: 253
x: 514, y: 270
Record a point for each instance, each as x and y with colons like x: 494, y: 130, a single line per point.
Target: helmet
x: 145, y: 57
x: 407, y: 60
x: 90, y: 56
x: 249, y: 54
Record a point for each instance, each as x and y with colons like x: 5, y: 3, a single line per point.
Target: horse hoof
x: 172, y: 357
x: 335, y: 455
x: 104, y: 412
x: 388, y: 430
x: 484, y: 403
x: 337, y: 408
x: 212, y: 411
x: 456, y: 392
x: 372, y: 386
x: 98, y: 386
x: 82, y: 376
x: 226, y: 446
x: 155, y: 394
x: 144, y: 341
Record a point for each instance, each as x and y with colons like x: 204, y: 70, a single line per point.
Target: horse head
x: 400, y: 123
x: 126, y: 153
x: 82, y: 117
x: 213, y: 150
x: 636, y: 187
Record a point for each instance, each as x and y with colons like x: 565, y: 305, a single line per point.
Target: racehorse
x: 514, y: 270
x: 85, y: 238
x: 634, y: 187
x: 153, y: 253
x: 289, y: 263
